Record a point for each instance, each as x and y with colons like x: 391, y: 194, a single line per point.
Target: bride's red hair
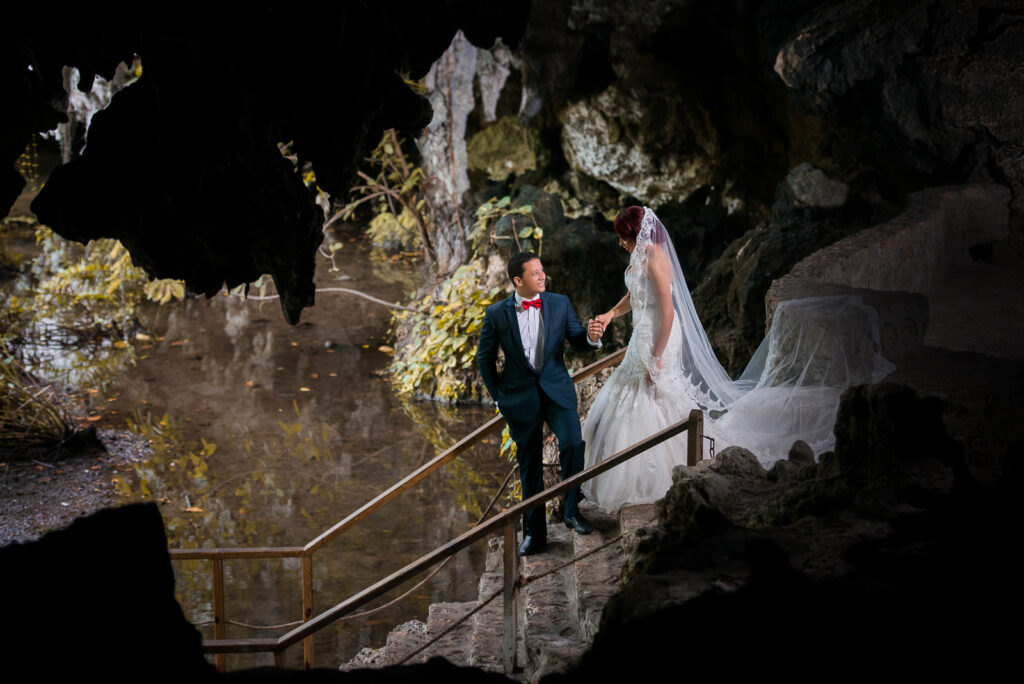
x: 627, y: 223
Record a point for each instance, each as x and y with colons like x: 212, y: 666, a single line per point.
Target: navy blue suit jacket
x: 515, y: 389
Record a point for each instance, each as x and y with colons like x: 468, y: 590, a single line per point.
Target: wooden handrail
x: 693, y: 422
x: 239, y: 552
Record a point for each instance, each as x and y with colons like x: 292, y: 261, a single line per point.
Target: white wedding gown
x: 816, y: 348
x: 631, y: 406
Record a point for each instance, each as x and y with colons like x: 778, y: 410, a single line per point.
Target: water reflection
x: 264, y: 434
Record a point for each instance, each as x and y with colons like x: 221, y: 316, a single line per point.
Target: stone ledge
x: 912, y: 252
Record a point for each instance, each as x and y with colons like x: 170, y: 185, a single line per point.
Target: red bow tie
x: 527, y: 305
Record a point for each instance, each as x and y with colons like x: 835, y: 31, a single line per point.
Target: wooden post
x: 279, y: 658
x: 307, y: 608
x: 695, y: 438
x: 220, y: 659
x: 511, y: 559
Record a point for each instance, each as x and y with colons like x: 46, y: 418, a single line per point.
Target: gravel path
x: 36, y: 497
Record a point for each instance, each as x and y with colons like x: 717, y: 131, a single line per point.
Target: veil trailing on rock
x: 816, y: 348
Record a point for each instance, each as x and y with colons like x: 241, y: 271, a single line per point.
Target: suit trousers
x: 528, y: 436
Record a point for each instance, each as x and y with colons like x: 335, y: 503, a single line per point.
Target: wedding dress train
x: 815, y: 349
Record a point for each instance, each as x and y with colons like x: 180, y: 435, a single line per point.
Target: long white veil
x: 816, y: 348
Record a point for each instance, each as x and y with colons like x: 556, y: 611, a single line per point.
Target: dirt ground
x: 37, y: 496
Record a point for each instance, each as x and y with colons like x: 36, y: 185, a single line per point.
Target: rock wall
x: 655, y: 102
x: 923, y: 91
x: 914, y: 251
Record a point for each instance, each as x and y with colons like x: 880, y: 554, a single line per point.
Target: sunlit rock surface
x: 656, y: 147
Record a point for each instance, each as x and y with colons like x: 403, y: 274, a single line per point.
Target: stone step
x: 402, y: 640
x: 455, y: 645
x: 409, y: 636
x: 633, y: 518
x: 488, y: 626
x: 548, y: 624
x: 595, y: 578
x: 558, y: 614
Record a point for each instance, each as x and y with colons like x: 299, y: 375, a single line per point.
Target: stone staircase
x: 559, y: 611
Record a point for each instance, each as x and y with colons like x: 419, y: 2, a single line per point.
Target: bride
x: 816, y: 348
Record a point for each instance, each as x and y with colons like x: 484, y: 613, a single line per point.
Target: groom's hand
x: 594, y: 330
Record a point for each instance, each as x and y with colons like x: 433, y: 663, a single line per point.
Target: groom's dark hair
x: 517, y: 263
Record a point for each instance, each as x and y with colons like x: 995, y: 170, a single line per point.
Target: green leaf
x: 526, y: 232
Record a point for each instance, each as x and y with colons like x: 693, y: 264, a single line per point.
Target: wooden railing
x: 220, y: 646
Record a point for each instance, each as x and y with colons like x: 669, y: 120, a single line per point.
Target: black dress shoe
x: 579, y: 523
x: 531, y: 545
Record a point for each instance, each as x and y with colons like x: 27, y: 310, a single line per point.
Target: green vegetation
x: 439, y: 357
x: 10, y: 261
x: 491, y: 212
x: 70, y: 316
x: 31, y: 414
x: 508, y: 449
x: 400, y: 212
x: 89, y: 293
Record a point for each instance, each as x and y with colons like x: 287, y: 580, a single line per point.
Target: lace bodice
x: 646, y: 318
x: 671, y: 379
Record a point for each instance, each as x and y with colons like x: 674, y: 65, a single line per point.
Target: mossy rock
x: 507, y: 147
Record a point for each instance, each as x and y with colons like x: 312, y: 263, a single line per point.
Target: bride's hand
x: 655, y: 370
x: 604, y: 319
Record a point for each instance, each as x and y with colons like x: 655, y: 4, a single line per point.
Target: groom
x: 531, y: 327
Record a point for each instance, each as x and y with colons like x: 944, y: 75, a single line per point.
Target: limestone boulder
x: 657, y: 147
x: 801, y: 454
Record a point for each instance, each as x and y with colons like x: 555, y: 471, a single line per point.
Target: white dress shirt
x: 531, y: 330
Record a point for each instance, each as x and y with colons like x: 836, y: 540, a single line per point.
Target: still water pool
x: 264, y: 434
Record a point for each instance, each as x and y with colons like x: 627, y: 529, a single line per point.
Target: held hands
x: 596, y: 326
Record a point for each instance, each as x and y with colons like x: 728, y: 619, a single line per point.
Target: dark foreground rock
x: 883, y: 556
x: 96, y: 600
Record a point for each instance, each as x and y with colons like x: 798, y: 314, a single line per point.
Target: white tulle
x: 816, y: 348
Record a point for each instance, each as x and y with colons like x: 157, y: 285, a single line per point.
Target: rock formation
x: 875, y: 557
x: 183, y: 166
